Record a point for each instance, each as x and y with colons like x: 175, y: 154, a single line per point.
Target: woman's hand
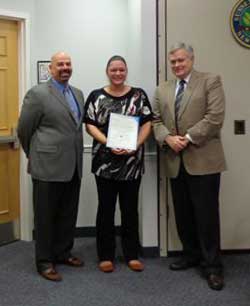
x: 118, y: 151
x: 96, y: 133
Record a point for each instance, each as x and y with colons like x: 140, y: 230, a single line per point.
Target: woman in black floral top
x: 117, y: 171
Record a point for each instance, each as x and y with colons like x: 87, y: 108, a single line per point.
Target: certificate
x: 122, y: 132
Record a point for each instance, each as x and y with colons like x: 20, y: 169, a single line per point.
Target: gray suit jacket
x: 50, y: 136
x: 201, y: 115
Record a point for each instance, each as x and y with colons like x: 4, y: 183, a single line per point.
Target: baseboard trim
x: 9, y: 242
x: 223, y: 252
x: 147, y: 252
x: 150, y: 252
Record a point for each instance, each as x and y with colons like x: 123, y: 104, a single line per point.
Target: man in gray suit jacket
x: 189, y: 113
x: 50, y: 131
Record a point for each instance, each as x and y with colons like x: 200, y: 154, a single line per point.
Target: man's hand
x: 177, y: 143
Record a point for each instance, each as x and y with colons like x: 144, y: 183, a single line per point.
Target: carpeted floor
x: 20, y: 285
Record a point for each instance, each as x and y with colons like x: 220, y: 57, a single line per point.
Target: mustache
x: 68, y: 71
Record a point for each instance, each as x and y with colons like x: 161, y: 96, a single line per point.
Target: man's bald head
x: 60, y: 67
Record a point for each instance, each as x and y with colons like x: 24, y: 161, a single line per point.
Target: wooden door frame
x: 26, y: 211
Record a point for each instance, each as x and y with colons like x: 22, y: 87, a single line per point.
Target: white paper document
x: 122, y: 132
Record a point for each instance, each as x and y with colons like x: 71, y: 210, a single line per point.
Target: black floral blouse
x: 98, y: 107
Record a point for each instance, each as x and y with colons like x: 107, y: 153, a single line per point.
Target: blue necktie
x: 179, y: 96
x: 72, y: 103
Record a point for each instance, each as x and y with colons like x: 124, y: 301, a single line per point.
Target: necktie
x: 179, y: 96
x: 72, y: 103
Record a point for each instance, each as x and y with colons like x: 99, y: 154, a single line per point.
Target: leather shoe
x: 106, y: 266
x: 51, y: 274
x: 136, y: 265
x: 182, y: 264
x: 72, y: 261
x: 215, y: 281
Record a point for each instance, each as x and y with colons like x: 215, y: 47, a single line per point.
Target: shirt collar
x: 187, y: 79
x: 59, y: 85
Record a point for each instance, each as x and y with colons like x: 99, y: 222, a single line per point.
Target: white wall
x: 91, y: 32
x: 140, y: 31
x: 134, y: 41
x: 205, y: 24
x: 26, y: 6
x: 147, y: 77
x: 142, y: 72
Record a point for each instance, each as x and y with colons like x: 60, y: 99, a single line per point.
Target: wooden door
x: 9, y: 155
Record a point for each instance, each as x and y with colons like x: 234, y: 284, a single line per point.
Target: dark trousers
x: 196, y: 205
x: 55, y: 214
x: 128, y: 192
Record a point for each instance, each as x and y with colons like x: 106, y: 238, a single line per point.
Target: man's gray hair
x: 182, y: 45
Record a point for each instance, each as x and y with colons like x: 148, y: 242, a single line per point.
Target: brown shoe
x: 136, y: 265
x: 106, y: 266
x: 51, y: 274
x: 73, y: 262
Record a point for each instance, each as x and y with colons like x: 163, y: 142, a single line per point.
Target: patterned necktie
x: 72, y: 103
x: 179, y: 96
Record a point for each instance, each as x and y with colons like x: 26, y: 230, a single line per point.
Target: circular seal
x: 240, y: 22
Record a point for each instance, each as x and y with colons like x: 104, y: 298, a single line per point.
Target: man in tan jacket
x: 189, y: 113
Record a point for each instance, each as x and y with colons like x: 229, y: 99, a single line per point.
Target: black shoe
x: 215, y: 281
x: 183, y: 264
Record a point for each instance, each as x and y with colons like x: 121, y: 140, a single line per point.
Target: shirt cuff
x: 189, y: 138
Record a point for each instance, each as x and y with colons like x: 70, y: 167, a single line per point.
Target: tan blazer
x: 201, y: 115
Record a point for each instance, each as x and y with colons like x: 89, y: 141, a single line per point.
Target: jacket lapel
x: 60, y: 97
x: 188, y: 93
x: 171, y: 95
x: 57, y: 94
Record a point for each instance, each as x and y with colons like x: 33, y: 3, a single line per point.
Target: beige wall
x: 205, y: 24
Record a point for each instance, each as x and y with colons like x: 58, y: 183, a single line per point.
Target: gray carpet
x: 20, y: 285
